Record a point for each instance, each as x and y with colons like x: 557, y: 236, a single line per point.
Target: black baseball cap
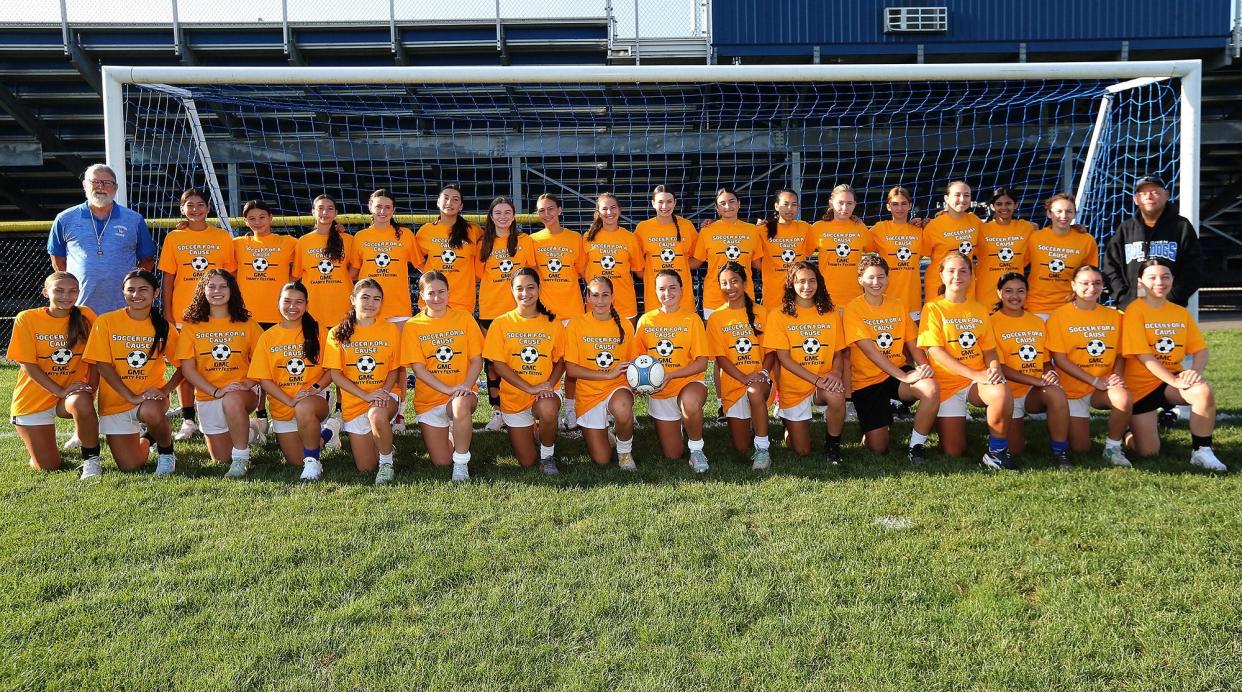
x: 1149, y: 180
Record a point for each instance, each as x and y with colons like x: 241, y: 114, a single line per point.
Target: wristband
x: 315, y: 386
x: 215, y: 393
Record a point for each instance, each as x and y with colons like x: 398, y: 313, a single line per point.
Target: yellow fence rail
x: 277, y: 222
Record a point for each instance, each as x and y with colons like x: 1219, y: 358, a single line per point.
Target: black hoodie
x: 1172, y: 238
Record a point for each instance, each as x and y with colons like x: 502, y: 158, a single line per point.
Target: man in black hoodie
x: 1155, y: 231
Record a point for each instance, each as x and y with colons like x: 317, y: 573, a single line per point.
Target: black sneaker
x: 999, y: 461
x: 720, y: 416
x: 832, y: 453
x: 1166, y: 420
x: 1062, y: 460
x: 917, y: 455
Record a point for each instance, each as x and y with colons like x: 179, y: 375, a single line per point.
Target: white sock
x: 1110, y: 443
x: 241, y: 454
x: 386, y: 459
x: 547, y: 452
x: 625, y: 446
x: 917, y: 438
x: 762, y: 442
x: 461, y: 458
x: 695, y: 445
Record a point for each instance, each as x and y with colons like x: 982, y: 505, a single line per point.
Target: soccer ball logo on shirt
x: 967, y: 340
x: 788, y: 255
x: 811, y: 346
x: 665, y: 348
x: 843, y: 250
x: 1005, y: 254
x: 1056, y: 266
x: 260, y: 264
x: 295, y: 366
x: 904, y: 254
x: 221, y: 352
x: 382, y: 260
x: 966, y: 247
x: 743, y: 345
x: 667, y: 255
x: 607, y: 262
x: 732, y: 252
x: 136, y: 359
x: 366, y: 364
x: 325, y: 267
x: 506, y: 266
x: 61, y: 356
x: 604, y: 359
x: 199, y: 264
x: 884, y: 340
x: 1165, y: 345
x: 555, y: 266
x: 444, y: 354
x: 1027, y: 353
x: 448, y: 257
x: 528, y: 355
x: 1095, y: 348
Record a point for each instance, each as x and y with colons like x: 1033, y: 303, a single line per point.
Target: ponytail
x: 612, y: 309
x: 459, y: 234
x: 597, y: 221
x: 158, y: 323
x: 750, y: 314
x: 345, y: 328
x: 310, y: 326
x: 334, y: 248
x: 79, y: 330
x: 737, y: 268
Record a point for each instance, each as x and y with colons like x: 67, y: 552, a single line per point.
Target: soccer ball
x: 136, y: 359
x: 664, y: 347
x: 810, y: 345
x: 448, y: 257
x: 667, y: 255
x: 904, y: 254
x: 198, y: 264
x: 966, y: 247
x: 1005, y: 254
x: 1165, y: 345
x: 732, y: 253
x: 382, y: 260
x: 967, y: 340
x: 604, y: 359
x: 61, y: 356
x: 444, y: 354
x: 325, y: 267
x: 528, y: 354
x: 295, y: 366
x: 607, y: 262
x: 743, y: 345
x: 555, y: 266
x: 843, y: 250
x: 1027, y: 353
x: 506, y: 266
x: 788, y: 256
x: 1056, y: 266
x: 645, y: 374
x: 1096, y: 348
x: 221, y: 352
x: 884, y: 340
x: 366, y: 364
x: 260, y: 264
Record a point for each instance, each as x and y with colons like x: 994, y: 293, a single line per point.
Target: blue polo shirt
x: 77, y: 236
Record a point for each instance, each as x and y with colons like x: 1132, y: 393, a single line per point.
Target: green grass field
x: 876, y: 576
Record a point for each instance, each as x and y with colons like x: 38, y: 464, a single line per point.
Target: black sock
x: 1197, y: 441
x: 833, y: 440
x: 188, y: 412
x: 261, y: 413
x: 161, y: 449
x: 148, y: 437
x: 88, y: 452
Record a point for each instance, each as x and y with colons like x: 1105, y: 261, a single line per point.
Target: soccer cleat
x: 1062, y: 460
x: 698, y: 461
x: 999, y: 461
x: 385, y: 474
x: 461, y: 473
x: 91, y: 468
x: 398, y: 424
x: 332, y: 426
x: 311, y: 469
x: 72, y: 443
x: 548, y: 466
x: 625, y: 460
x: 188, y: 430
x: 569, y: 419
x: 1205, y: 459
x: 720, y: 416
x: 1166, y: 419
x: 496, y: 424
x: 761, y: 460
x: 258, y: 432
x: 165, y: 464
x: 832, y: 454
x: 237, y: 469
x: 1117, y: 457
x: 917, y: 455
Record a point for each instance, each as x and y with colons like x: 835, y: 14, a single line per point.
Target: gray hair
x: 94, y: 168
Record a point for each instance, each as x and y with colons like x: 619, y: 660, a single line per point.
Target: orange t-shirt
x: 662, y: 250
x: 496, y: 275
x: 726, y: 241
x: 39, y: 340
x: 1091, y: 339
x: 674, y: 340
x: 1020, y: 345
x: 220, y: 348
x: 381, y: 255
x: 372, y: 352
x: 560, y: 259
x: 444, y: 345
x: 729, y: 334
x: 187, y: 255
x: 901, y: 245
x: 840, y: 245
x: 125, y: 344
x: 1001, y: 249
x: 459, y: 264
x: 327, y: 281
x: 263, y: 267
x: 888, y: 325
x: 812, y: 340
x: 279, y: 356
x: 1053, y: 261
x: 942, y: 235
x: 615, y: 254
x: 1168, y: 332
x: 792, y: 243
x: 594, y: 344
x: 962, y: 329
x: 531, y: 346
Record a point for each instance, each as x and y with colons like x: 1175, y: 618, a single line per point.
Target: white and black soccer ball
x: 604, y: 359
x: 743, y: 345
x: 382, y: 260
x: 555, y: 266
x: 904, y: 254
x: 667, y: 255
x: 448, y: 257
x: 884, y: 340
x: 664, y: 347
x: 61, y: 356
x: 295, y: 366
x: 966, y: 247
x: 325, y: 267
x: 811, y: 345
x: 788, y: 255
x: 967, y: 340
x: 1056, y: 266
x: 843, y: 250
x: 1027, y: 353
x: 528, y: 354
x: 506, y: 266
x: 1096, y: 348
x: 732, y: 253
x: 221, y: 352
x: 199, y: 264
x: 607, y: 262
x: 1005, y: 254
x: 136, y: 359
x: 444, y: 354
x: 366, y: 364
x: 260, y: 264
x: 1165, y: 345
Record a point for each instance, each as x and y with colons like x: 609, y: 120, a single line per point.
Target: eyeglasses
x: 102, y: 183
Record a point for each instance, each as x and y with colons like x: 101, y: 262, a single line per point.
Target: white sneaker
x: 91, y: 468
x: 851, y: 413
x: 188, y: 430
x: 333, y: 425
x: 569, y: 419
x: 165, y: 464
x: 238, y: 468
x: 72, y: 443
x: 1206, y: 459
x: 311, y: 468
x: 496, y: 424
x: 258, y: 432
x: 625, y: 461
x: 461, y: 472
x: 1117, y: 457
x: 698, y: 462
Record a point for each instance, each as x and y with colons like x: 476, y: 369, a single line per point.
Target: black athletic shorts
x: 873, y: 404
x: 1154, y: 401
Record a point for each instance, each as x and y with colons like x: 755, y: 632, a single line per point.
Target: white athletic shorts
x: 45, y: 417
x: 597, y: 417
x: 123, y: 423
x: 291, y: 425
x: 740, y: 409
x: 1081, y: 407
x: 436, y: 416
x: 361, y: 425
x: 211, y: 415
x: 1019, y: 407
x: 803, y: 410
x: 955, y: 405
x: 524, y: 418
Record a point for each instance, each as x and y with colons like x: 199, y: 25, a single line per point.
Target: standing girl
x: 954, y: 230
x: 1055, y: 252
x: 613, y: 253
x: 322, y: 261
x: 743, y: 367
x: 1002, y: 244
x: 900, y: 243
x: 450, y: 245
x: 384, y: 253
x: 786, y: 240
x: 840, y: 239
x: 727, y: 239
x: 667, y: 242
x: 560, y: 257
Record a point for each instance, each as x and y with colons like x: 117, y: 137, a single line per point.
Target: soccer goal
x: 287, y: 134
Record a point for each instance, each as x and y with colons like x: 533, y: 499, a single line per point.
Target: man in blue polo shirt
x: 99, y: 241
